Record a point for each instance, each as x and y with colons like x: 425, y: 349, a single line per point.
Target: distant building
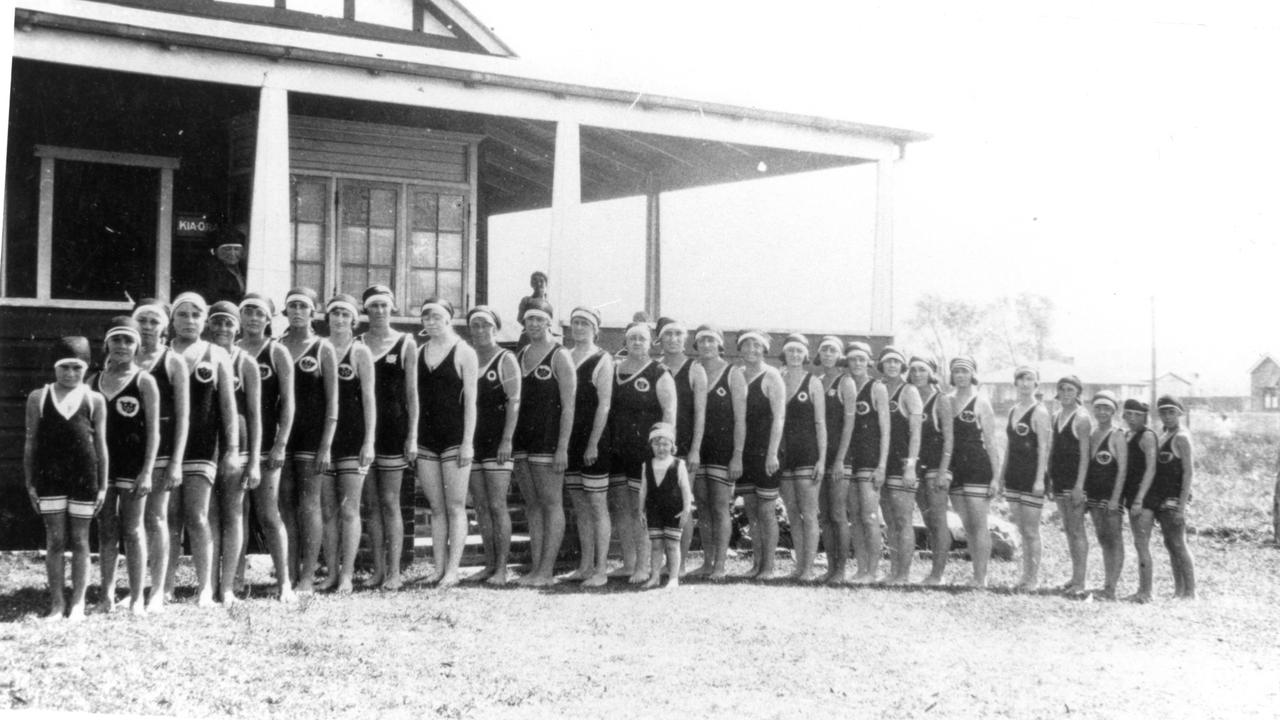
x: 1264, y: 385
x: 1176, y: 385
x: 1003, y: 394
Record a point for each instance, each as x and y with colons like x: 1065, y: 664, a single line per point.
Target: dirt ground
x: 735, y: 649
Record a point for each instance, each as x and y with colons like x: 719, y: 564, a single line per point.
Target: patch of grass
x: 737, y: 649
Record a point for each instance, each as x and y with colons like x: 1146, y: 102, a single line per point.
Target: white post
x: 6, y: 72
x: 566, y: 201
x: 270, y: 245
x: 882, y: 255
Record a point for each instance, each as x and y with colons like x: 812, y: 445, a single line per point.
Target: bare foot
x: 205, y: 600
x: 897, y: 580
x: 286, y: 595
x: 639, y: 577
x: 498, y: 579
x: 931, y: 580
x: 1107, y: 594
x: 976, y: 583
x: 229, y: 599
x: 542, y: 581
x: 393, y: 582
x: 56, y: 614
x: 155, y: 606
x: 807, y: 576
x: 597, y: 580
x: 344, y: 587
x: 107, y: 603
x: 765, y: 574
x: 481, y: 576
x: 1140, y: 598
x: 579, y: 574
x: 718, y: 575
x: 306, y: 587
x: 525, y: 580
x: 329, y: 583
x: 862, y: 579
x: 1072, y: 589
x: 374, y: 581
x: 448, y: 580
x: 137, y: 607
x: 672, y: 583
x: 76, y: 614
x: 703, y: 571
x: 653, y: 581
x: 432, y: 579
x: 623, y: 571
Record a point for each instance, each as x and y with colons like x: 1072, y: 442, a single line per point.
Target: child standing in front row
x: 666, y: 496
x: 64, y: 463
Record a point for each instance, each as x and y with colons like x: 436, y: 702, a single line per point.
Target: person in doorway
x: 225, y: 271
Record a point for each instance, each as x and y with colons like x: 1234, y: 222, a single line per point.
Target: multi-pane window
x: 410, y: 237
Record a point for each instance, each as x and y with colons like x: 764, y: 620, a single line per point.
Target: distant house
x: 1174, y: 384
x: 1264, y: 385
x: 1003, y: 395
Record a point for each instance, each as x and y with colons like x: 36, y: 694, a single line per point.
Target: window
x: 104, y: 226
x: 409, y: 236
x: 1270, y: 399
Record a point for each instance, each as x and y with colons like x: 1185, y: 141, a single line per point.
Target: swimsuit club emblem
x: 802, y: 396
x: 391, y: 359
x: 542, y: 372
x: 831, y: 392
x: 204, y: 371
x: 128, y: 407
x: 720, y: 392
x: 863, y: 407
x: 1165, y: 456
x: 491, y: 376
x: 967, y: 416
x: 1104, y: 457
x: 1022, y: 429
x: 642, y: 385
x: 308, y: 364
x: 893, y: 406
x: 346, y: 372
x: 265, y: 371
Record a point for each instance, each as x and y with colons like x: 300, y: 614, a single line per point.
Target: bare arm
x: 284, y: 423
x: 602, y: 380
x: 231, y: 469
x: 1040, y: 423
x: 329, y: 375
x: 1121, y: 451
x: 1182, y: 446
x: 98, y: 411
x: 180, y: 377
x: 819, y: 424
x: 1083, y: 429
x: 29, y: 447
x: 698, y: 378
x: 738, y: 395
x: 253, y: 417
x: 409, y: 361
x: 849, y: 399
x: 776, y: 390
x: 509, y: 370
x: 151, y: 410
x: 469, y: 370
x: 987, y: 417
x: 1148, y: 446
x: 666, y: 391
x: 567, y: 381
x: 915, y: 418
x: 368, y: 401
x: 686, y: 492
x: 946, y: 412
x: 880, y: 401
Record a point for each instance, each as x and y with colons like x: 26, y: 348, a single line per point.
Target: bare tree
x: 948, y: 327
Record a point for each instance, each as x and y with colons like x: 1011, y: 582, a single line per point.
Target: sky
x: 1101, y: 156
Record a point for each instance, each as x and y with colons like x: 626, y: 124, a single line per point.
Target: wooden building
x: 1004, y: 395
x: 1264, y: 385
x: 356, y: 141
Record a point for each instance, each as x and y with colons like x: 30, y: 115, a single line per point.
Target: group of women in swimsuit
x: 309, y: 427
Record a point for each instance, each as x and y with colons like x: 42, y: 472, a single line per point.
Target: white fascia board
x: 58, y: 46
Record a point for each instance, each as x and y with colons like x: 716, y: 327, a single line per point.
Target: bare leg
x: 343, y: 566
x: 1028, y: 519
x: 639, y: 530
x: 655, y: 566
x: 292, y: 477
x: 807, y: 490
x: 157, y: 525
x: 55, y: 562
x: 1105, y: 525
x: 598, y: 508
x: 132, y: 508
x: 751, y: 506
x: 372, y: 504
x: 232, y: 521
x: 310, y: 528
x: 329, y: 529
x: 79, y: 566
x: 767, y: 524
x: 620, y: 518
x: 720, y: 521
x: 431, y: 480
x: 673, y: 548
x: 787, y: 493
x: 480, y: 496
x: 686, y: 538
x: 177, y: 515
x: 1077, y: 543
x: 933, y: 505
x: 391, y: 525
x: 586, y: 531
x: 901, y: 505
x: 109, y: 547
x: 1174, y: 529
x: 455, y: 503
x: 268, y: 509
x: 866, y: 528
x: 549, y: 487
x: 243, y: 561
x: 196, y: 495
x: 497, y: 483
x: 533, y: 516
x: 706, y: 535
x: 974, y: 514
x: 834, y: 506
x: 1140, y: 523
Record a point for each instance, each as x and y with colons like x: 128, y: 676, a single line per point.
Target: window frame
x: 49, y: 156
x: 400, y: 272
